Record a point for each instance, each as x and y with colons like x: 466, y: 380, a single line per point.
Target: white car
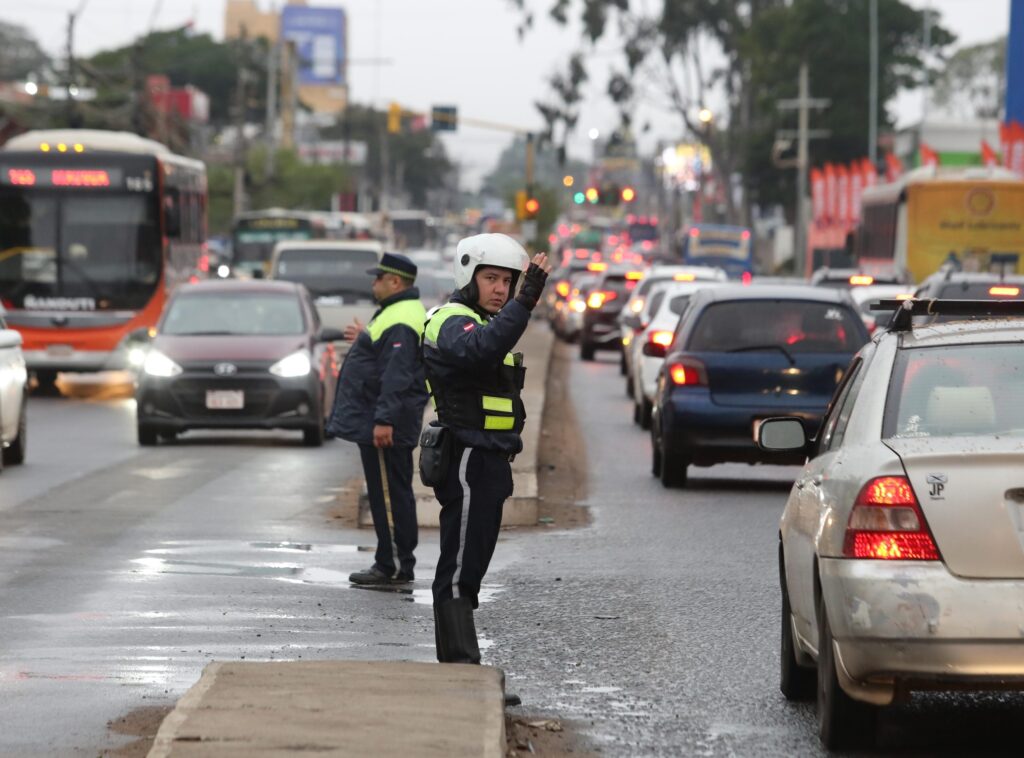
x: 665, y: 304
x: 902, y: 542
x: 13, y: 396
x: 634, y: 316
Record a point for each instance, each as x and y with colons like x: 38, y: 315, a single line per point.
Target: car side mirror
x: 781, y: 434
x: 654, y: 349
x: 330, y: 334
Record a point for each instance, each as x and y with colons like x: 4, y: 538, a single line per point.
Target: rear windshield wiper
x: 780, y: 348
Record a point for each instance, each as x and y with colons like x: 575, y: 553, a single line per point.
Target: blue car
x: 743, y: 354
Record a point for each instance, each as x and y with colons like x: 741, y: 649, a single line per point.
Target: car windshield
x: 957, y: 390
x: 797, y: 326
x: 328, y: 272
x: 222, y: 313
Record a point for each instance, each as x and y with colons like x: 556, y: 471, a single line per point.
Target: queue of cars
x: 13, y: 397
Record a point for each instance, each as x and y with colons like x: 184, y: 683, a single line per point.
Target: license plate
x: 59, y: 351
x: 225, y: 400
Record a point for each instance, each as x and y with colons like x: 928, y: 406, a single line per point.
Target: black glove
x: 533, y: 285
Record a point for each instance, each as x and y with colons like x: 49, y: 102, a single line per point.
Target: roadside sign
x: 444, y: 118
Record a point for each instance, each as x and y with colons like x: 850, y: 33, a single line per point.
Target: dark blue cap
x: 393, y: 263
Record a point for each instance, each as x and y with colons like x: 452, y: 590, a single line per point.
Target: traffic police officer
x: 379, y: 406
x: 476, y: 382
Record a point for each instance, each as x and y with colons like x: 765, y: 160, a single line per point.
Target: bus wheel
x: 46, y: 383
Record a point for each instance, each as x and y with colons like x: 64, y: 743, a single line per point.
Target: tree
x: 749, y: 52
x: 973, y: 84
x: 20, y: 54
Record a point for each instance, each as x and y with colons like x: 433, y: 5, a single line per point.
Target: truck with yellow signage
x: 972, y: 218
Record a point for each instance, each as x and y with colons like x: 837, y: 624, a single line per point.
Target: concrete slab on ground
x: 345, y: 708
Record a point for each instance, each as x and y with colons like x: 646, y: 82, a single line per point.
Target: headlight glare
x: 294, y: 365
x: 158, y: 364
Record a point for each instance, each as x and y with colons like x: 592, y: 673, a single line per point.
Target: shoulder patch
x: 469, y: 327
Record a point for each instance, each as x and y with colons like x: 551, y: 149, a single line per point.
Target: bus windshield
x: 253, y: 239
x: 101, y: 250
x: 727, y: 247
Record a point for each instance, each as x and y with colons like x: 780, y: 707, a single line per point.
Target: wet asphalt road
x: 124, y: 570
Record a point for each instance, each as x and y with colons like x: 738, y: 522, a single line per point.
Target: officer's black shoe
x: 374, y: 575
x: 455, y: 632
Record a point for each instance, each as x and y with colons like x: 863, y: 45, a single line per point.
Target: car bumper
x: 601, y: 334
x: 270, y: 402
x: 914, y: 625
x: 710, y: 433
x: 69, y: 359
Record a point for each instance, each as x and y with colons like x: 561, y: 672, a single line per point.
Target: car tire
x: 645, y: 411
x: 655, y: 456
x: 843, y: 723
x: 673, y: 466
x: 622, y: 364
x: 313, y: 436
x: 169, y: 435
x: 629, y: 385
x: 797, y: 683
x: 147, y: 435
x: 586, y: 350
x: 15, y: 452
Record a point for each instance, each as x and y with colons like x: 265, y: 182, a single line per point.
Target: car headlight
x: 296, y: 364
x: 158, y: 364
x: 137, y: 357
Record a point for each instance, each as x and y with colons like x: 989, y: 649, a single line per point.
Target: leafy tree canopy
x: 20, y: 54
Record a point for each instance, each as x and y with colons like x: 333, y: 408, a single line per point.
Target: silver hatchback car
x: 901, y: 550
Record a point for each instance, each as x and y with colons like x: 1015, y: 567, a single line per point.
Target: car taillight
x: 663, y: 338
x: 688, y: 373
x: 637, y: 305
x: 599, y: 298
x: 1004, y: 291
x: 886, y: 523
x: 562, y: 288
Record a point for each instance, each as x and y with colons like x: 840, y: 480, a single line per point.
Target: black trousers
x: 472, y: 497
x: 394, y: 545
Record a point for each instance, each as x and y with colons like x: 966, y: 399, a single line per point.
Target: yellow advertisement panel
x: 980, y: 223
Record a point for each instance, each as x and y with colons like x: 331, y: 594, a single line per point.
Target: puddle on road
x: 223, y: 546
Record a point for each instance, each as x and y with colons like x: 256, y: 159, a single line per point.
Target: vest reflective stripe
x: 499, y: 423
x: 408, y: 312
x: 499, y: 404
x: 433, y: 326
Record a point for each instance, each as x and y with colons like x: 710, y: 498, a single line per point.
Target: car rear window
x: 220, y: 313
x: 678, y: 304
x: 957, y: 390
x: 328, y: 272
x: 797, y: 326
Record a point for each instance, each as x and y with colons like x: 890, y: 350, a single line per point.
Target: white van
x: 334, y: 271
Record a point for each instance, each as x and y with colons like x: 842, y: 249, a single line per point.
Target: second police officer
x: 379, y: 405
x: 476, y: 381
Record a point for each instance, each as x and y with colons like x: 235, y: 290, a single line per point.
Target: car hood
x: 198, y: 349
x: 971, y: 490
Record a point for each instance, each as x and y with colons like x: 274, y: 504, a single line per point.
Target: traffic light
x: 521, y: 198
x: 593, y: 195
x: 394, y: 118
x: 532, y: 208
x: 579, y: 198
x: 628, y: 194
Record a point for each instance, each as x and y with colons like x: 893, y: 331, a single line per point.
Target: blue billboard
x: 319, y: 37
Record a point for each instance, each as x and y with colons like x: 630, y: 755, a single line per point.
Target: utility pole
x: 873, y: 85
x: 289, y: 94
x: 271, y: 120
x: 69, y: 72
x: 804, y: 134
x: 241, y: 149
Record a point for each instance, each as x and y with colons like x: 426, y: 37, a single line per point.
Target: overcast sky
x: 461, y: 52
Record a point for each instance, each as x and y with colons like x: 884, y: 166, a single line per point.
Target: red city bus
x: 96, y: 228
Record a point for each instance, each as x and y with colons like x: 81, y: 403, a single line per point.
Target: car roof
x: 339, y: 245
x: 232, y: 286
x: 972, y: 276
x: 776, y: 292
x: 961, y: 333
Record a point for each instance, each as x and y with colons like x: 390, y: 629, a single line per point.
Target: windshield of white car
x: 957, y: 390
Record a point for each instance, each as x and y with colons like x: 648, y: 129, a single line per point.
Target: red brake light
x: 634, y: 275
x: 1004, y: 291
x: 562, y: 288
x: 745, y: 234
x: 861, y: 280
x: 581, y: 253
x: 595, y: 266
x: 886, y: 523
x: 663, y: 338
x: 695, y: 232
x: 688, y: 373
x: 746, y: 277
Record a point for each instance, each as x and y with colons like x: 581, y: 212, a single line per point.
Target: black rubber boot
x: 455, y: 633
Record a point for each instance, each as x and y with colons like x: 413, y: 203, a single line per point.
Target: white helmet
x: 488, y: 250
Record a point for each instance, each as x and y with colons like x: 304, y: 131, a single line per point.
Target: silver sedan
x: 901, y: 548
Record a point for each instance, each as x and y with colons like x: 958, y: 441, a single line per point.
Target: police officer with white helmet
x: 475, y: 381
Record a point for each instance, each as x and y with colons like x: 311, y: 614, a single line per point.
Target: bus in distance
x: 96, y: 228
x: 720, y: 246
x: 254, y: 234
